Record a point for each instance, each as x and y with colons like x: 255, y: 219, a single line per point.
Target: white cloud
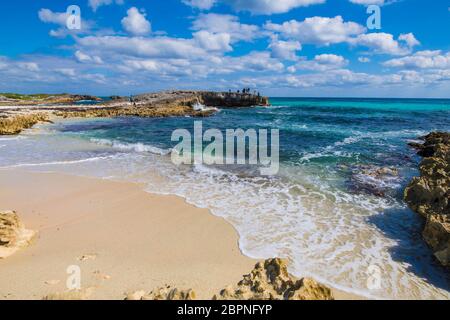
x: 219, y: 23
x: 85, y: 58
x: 95, y: 4
x: 368, y: 2
x: 285, y: 50
x: 409, y: 39
x: 265, y: 7
x: 60, y: 19
x: 157, y: 47
x: 322, y: 62
x: 363, y: 59
x: 380, y: 43
x: 318, y: 30
x: 213, y: 41
x: 136, y: 23
x: 68, y: 72
x: 48, y: 16
x: 269, y: 6
x: 200, y: 4
x: 422, y: 60
x: 30, y: 66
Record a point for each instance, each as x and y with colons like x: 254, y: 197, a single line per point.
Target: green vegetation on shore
x: 37, y: 96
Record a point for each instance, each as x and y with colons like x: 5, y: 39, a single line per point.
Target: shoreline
x: 130, y: 239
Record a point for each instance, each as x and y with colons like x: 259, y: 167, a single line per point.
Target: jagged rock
x: 437, y: 235
x: 14, y: 125
x: 164, y: 293
x: 374, y: 180
x: 429, y: 194
x: 13, y: 234
x: 271, y: 281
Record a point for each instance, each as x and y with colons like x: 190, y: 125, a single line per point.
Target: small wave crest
x: 137, y: 147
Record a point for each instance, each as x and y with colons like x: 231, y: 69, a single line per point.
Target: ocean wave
x: 50, y: 163
x: 137, y: 147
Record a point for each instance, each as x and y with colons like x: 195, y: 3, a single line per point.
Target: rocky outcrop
x: 40, y: 99
x: 14, y: 125
x: 18, y: 112
x: 232, y: 99
x: 177, y: 108
x: 429, y: 194
x: 164, y: 293
x: 13, y: 234
x: 270, y: 280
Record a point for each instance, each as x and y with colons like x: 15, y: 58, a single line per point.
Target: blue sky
x: 280, y: 47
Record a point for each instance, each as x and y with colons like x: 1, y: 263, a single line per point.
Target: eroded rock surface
x: 15, y: 124
x: 13, y: 234
x: 164, y: 293
x: 270, y: 280
x: 429, y: 194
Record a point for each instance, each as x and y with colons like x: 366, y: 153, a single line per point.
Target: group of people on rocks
x: 247, y: 91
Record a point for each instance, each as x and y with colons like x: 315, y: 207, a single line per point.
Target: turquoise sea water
x: 326, y: 210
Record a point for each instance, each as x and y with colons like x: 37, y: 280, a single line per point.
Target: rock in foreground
x: 270, y: 280
x: 429, y: 194
x: 14, y: 125
x: 164, y: 293
x: 13, y: 234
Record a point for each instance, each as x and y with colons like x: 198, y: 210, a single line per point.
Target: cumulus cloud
x: 60, y: 19
x: 68, y: 72
x: 381, y: 43
x: 48, y: 16
x: 422, y: 60
x: 322, y: 62
x: 409, y: 39
x: 363, y: 59
x: 95, y: 4
x: 30, y: 66
x: 368, y: 2
x: 213, y: 41
x: 269, y: 6
x: 285, y: 50
x: 136, y: 23
x: 157, y: 47
x: 265, y: 7
x: 219, y: 23
x: 85, y: 58
x: 200, y: 4
x: 318, y: 30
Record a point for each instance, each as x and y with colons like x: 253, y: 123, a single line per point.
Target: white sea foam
x: 325, y: 232
x: 53, y: 163
x: 138, y: 147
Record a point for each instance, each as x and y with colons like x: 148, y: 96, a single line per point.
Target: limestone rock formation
x: 14, y: 125
x: 13, y: 234
x: 429, y: 194
x: 270, y: 280
x: 164, y: 293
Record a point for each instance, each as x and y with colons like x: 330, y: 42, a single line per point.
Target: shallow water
x: 319, y: 211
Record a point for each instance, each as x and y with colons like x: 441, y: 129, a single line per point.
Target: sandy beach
x: 122, y: 238
x: 131, y: 240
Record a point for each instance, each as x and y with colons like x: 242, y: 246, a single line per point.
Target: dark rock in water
x: 429, y: 194
x: 232, y: 99
x: 374, y: 180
